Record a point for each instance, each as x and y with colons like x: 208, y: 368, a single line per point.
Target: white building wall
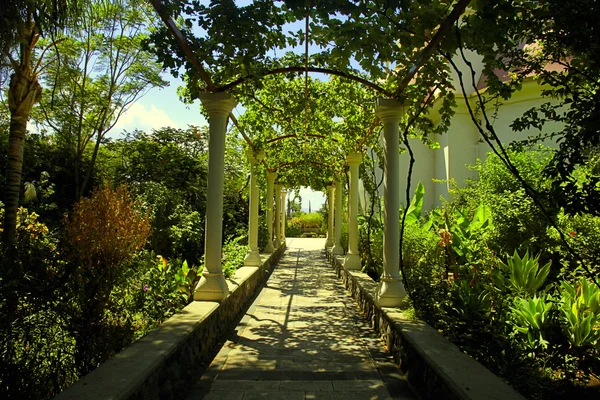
x: 462, y: 145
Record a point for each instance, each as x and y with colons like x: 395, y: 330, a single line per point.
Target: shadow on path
x: 302, y: 338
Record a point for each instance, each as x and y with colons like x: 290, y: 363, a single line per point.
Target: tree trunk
x: 23, y: 93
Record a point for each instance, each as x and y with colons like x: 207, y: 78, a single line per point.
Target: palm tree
x: 23, y: 22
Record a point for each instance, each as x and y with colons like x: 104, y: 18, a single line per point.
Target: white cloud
x: 138, y: 116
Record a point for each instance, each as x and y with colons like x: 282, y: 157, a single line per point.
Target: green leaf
x: 416, y: 205
x: 482, y: 218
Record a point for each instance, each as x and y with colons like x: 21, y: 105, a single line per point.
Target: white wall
x: 462, y: 145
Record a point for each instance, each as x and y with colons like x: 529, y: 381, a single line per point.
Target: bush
x: 306, y: 222
x: 35, y: 345
x: 234, y: 253
x: 518, y: 222
x: 102, y: 233
x: 370, y: 246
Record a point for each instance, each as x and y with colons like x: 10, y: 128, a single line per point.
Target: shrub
x: 102, y: 233
x: 106, y: 230
x: 305, y: 221
x: 233, y: 255
x: 35, y: 347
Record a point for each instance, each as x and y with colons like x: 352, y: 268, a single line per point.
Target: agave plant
x: 530, y: 317
x: 581, y: 312
x: 525, y: 274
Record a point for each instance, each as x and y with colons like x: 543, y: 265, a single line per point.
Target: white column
x: 270, y: 181
x: 283, y: 213
x: 352, y: 261
x: 329, y: 241
x: 337, y: 247
x: 277, y: 241
x: 390, y: 289
x: 212, y: 285
x: 253, y: 257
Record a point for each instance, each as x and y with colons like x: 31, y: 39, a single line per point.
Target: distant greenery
x: 305, y: 223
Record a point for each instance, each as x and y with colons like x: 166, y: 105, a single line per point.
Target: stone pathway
x: 302, y: 338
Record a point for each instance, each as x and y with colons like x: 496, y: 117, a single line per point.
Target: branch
x: 503, y: 155
x: 369, y: 132
x: 409, y: 178
x: 285, y: 70
x: 237, y: 125
x: 458, y: 10
x: 158, y: 6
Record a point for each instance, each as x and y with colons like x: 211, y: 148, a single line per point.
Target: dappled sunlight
x: 303, y: 336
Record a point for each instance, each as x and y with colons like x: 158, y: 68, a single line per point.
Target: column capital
x: 354, y: 158
x: 278, y: 186
x: 271, y: 176
x: 330, y: 187
x: 283, y: 190
x: 218, y: 103
x: 388, y: 110
x: 255, y: 157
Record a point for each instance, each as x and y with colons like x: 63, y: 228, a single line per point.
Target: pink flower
x: 145, y: 288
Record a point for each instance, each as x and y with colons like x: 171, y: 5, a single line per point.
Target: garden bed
x: 161, y: 364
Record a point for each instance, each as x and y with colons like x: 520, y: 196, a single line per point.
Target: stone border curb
x: 435, y: 367
x: 161, y: 365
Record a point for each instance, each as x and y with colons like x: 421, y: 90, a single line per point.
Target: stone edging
x: 435, y: 367
x: 161, y: 364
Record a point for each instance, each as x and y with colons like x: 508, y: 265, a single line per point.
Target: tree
x: 96, y: 73
x: 558, y: 44
x: 24, y: 22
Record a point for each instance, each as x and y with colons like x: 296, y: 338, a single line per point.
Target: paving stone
x: 375, y: 395
x: 224, y: 395
x: 304, y: 386
x: 303, y: 338
x: 246, y: 385
x: 358, y: 385
x: 272, y: 396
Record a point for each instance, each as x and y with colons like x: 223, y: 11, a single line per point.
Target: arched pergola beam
x: 285, y: 70
x: 296, y: 136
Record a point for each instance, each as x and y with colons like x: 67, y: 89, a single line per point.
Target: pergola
x: 266, y: 143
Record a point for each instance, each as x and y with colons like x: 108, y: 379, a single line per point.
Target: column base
x: 337, y: 250
x: 328, y: 243
x: 276, y: 243
x: 390, y: 292
x: 269, y: 248
x: 211, y: 287
x: 352, y: 262
x: 252, y: 259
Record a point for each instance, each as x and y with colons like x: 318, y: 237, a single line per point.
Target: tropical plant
x: 23, y: 24
x: 525, y: 276
x: 530, y: 317
x: 580, y: 308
